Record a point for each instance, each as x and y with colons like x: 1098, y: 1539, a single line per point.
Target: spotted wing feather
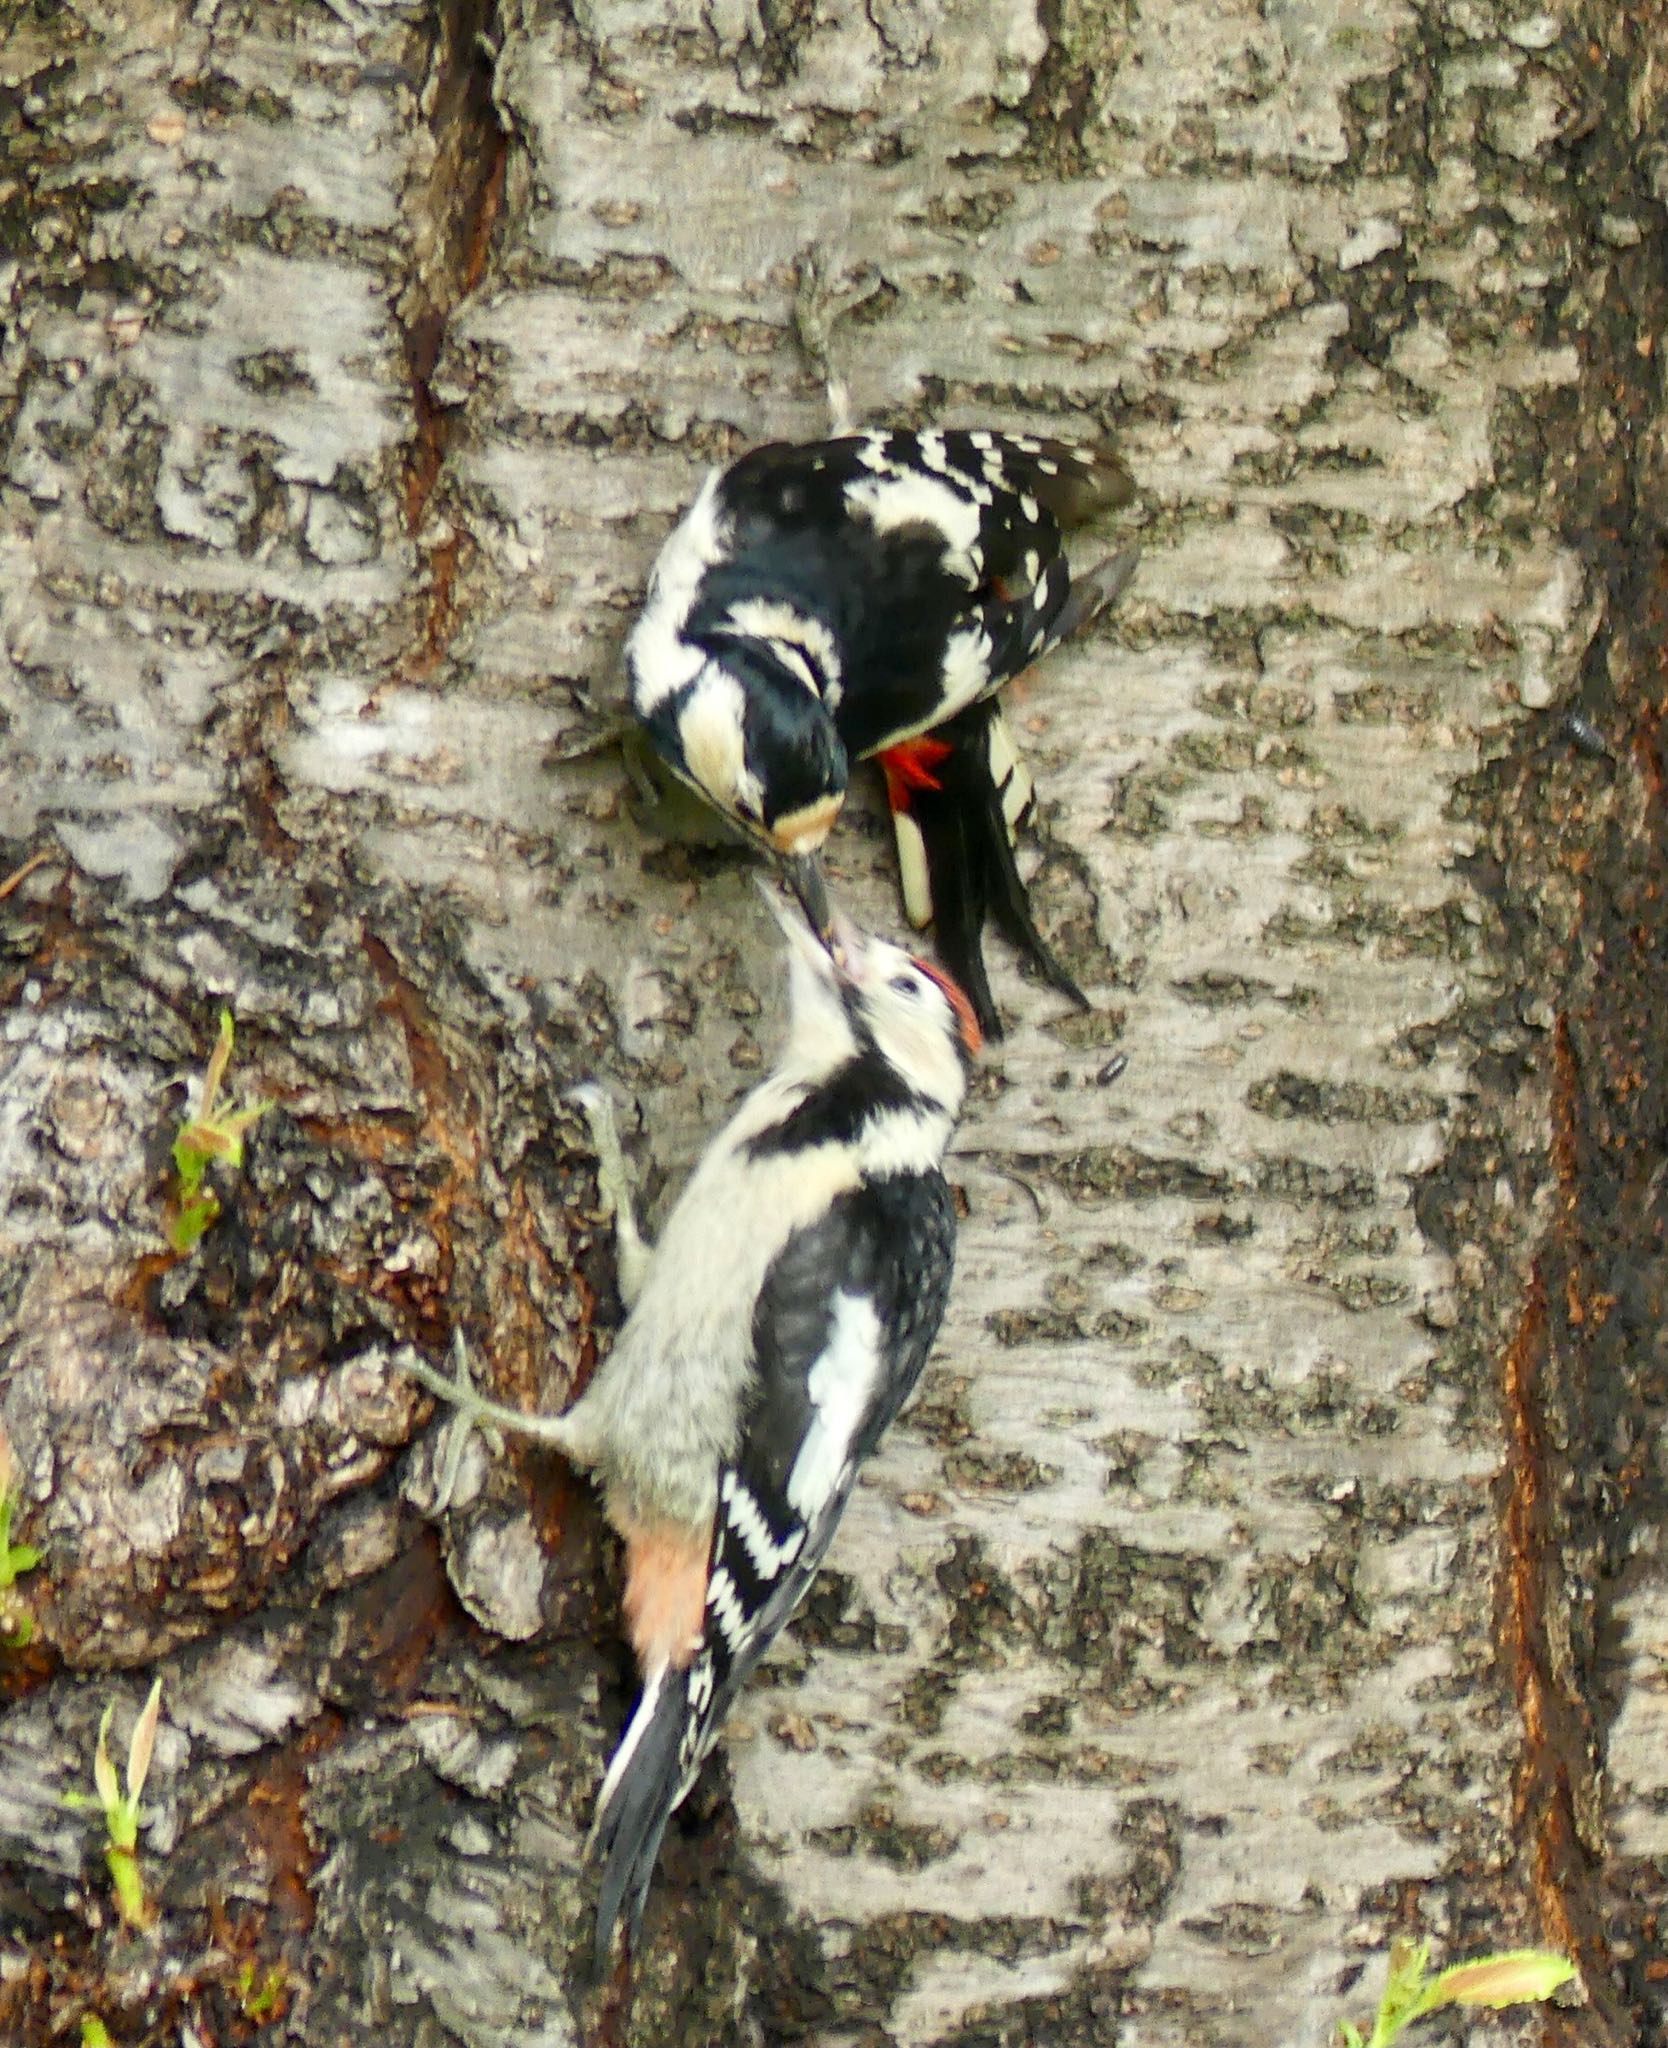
x: 842, y: 1329
x: 934, y: 560
x: 836, y: 1363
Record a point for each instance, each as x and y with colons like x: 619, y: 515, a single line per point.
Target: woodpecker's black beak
x: 805, y: 873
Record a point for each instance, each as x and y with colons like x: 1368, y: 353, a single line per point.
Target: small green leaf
x: 212, y: 1134
x: 143, y: 1743
x: 94, y: 2033
x: 104, y: 1771
x: 1519, y: 1976
x: 192, y: 1218
x: 1351, y: 2035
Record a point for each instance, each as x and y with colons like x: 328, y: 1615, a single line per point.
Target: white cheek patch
x: 841, y: 1385
x: 710, y: 734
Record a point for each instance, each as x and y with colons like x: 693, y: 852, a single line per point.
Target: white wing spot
x: 724, y: 1605
x: 841, y: 1385
x: 767, y: 1555
x: 1047, y: 467
x: 1028, y: 505
x: 700, y: 1686
x: 965, y: 671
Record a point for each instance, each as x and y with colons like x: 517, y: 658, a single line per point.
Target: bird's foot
x: 819, y: 305
x: 472, y: 1411
x: 631, y: 1254
x: 468, y: 1415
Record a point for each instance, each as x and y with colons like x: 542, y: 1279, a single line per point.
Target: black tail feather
x: 971, y: 873
x: 632, y: 1817
x: 1094, y: 592
x: 1011, y: 901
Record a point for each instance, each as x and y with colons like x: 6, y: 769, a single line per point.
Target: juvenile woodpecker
x: 868, y: 596
x: 772, y: 1334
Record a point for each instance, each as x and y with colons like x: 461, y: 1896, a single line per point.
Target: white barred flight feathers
x: 868, y: 597
x: 773, y: 1333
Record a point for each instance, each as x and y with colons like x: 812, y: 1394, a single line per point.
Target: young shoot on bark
x: 123, y: 1815
x: 1519, y: 1976
x: 17, y: 1622
x: 213, y: 1133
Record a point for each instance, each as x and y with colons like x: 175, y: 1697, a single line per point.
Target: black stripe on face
x: 837, y: 1109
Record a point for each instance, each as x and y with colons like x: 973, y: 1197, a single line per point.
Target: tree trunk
x: 1271, y: 1564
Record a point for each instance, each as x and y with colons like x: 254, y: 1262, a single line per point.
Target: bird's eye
x: 906, y: 984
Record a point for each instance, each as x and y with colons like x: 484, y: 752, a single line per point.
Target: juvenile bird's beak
x: 805, y: 873
x: 814, y: 948
x: 847, y: 948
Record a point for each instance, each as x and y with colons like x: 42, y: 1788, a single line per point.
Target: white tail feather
x: 1009, y: 773
x: 621, y: 1762
x: 912, y: 870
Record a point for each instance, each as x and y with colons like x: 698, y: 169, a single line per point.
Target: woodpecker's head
x: 855, y: 996
x: 758, y: 744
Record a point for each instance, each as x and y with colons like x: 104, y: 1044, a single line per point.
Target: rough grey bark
x: 1207, y: 1623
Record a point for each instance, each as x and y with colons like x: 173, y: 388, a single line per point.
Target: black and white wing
x: 842, y: 1329
x: 933, y: 560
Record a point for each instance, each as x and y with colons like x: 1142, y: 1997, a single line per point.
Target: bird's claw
x: 613, y: 1185
x: 819, y: 305
x: 470, y: 1411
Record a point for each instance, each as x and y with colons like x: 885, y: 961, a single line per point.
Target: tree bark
x: 1270, y: 1566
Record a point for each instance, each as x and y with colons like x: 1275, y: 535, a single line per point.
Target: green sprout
x: 259, y: 1997
x: 94, y: 2033
x: 123, y: 1816
x: 17, y: 1624
x: 1519, y: 1976
x: 213, y: 1133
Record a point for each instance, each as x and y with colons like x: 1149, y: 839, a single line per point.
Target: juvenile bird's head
x: 762, y: 749
x: 855, y: 998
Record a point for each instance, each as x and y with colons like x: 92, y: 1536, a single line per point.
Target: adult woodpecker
x: 772, y: 1334
x: 868, y: 596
